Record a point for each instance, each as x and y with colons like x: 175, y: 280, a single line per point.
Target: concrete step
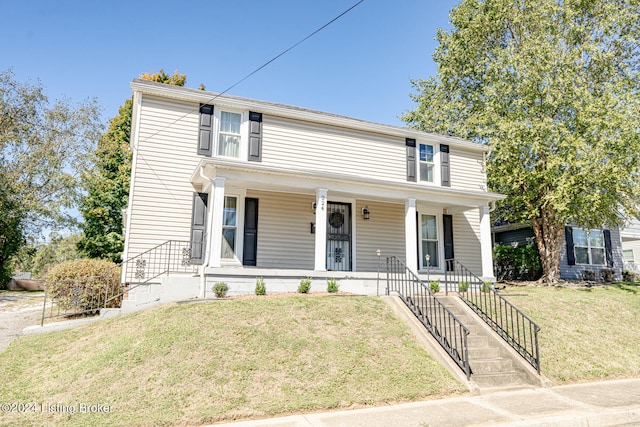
x: 481, y: 353
x: 492, y: 365
x: 502, y: 379
x: 477, y: 341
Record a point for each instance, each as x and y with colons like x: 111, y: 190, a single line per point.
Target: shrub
x: 486, y: 287
x: 628, y: 276
x: 332, y: 286
x: 589, y: 275
x: 261, y: 287
x: 220, y: 289
x: 463, y: 286
x: 434, y: 285
x: 305, y: 286
x: 607, y: 275
x: 85, y: 284
x: 517, y: 263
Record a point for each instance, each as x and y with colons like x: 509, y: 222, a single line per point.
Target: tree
x: 107, y: 182
x: 43, y: 146
x: 552, y: 87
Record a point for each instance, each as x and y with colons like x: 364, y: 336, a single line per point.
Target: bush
x: 628, y: 276
x: 261, y: 287
x: 463, y: 286
x: 332, y: 286
x: 220, y: 289
x: 607, y: 275
x: 517, y: 263
x: 589, y: 275
x: 305, y: 286
x: 486, y: 287
x: 84, y: 284
x: 434, y: 285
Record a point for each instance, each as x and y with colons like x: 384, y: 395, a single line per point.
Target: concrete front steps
x: 494, y: 364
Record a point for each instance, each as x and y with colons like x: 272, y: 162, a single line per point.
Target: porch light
x: 313, y: 206
x: 365, y: 212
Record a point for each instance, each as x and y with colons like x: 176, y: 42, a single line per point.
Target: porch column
x: 485, y: 244
x: 215, y: 232
x: 321, y: 230
x: 410, y: 234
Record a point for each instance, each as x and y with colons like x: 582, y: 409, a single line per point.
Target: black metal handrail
x: 515, y: 327
x: 445, y: 327
x: 87, y: 295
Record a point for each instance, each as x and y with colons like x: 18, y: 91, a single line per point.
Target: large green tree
x: 107, y: 182
x: 552, y: 87
x: 43, y: 148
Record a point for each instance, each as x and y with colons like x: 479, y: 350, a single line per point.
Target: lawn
x: 588, y: 333
x: 198, y: 363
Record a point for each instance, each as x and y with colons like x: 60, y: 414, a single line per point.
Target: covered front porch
x: 286, y: 225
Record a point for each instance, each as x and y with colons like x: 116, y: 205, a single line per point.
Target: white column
x: 485, y: 244
x: 321, y: 230
x: 410, y: 234
x: 216, y: 209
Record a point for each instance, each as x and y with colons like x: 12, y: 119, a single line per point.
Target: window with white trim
x: 427, y: 162
x: 429, y: 241
x: 588, y: 247
x: 229, y: 134
x: 627, y: 255
x: 229, y: 227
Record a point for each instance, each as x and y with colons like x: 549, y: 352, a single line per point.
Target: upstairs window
x: 589, y: 247
x: 229, y: 135
x: 427, y: 165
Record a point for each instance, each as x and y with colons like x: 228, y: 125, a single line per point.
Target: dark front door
x: 339, y: 236
x: 250, y: 247
x: 447, y: 224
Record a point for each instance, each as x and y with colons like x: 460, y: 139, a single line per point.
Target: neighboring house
x: 263, y: 189
x: 631, y: 245
x: 582, y: 249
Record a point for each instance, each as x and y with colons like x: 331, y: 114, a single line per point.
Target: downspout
x: 205, y: 263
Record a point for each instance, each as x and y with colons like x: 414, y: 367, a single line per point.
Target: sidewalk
x: 607, y: 403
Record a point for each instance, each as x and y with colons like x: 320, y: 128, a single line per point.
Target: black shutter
x: 411, y: 159
x: 447, y: 224
x: 255, y: 136
x: 205, y: 135
x: 250, y: 248
x: 445, y: 170
x: 198, y: 227
x: 568, y: 237
x: 608, y: 248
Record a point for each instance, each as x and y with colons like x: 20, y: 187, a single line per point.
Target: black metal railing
x: 438, y: 319
x: 515, y: 327
x: 87, y: 295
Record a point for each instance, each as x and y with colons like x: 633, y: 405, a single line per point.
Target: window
x: 627, y: 255
x: 426, y: 163
x: 429, y: 237
x: 229, y: 226
x: 588, y: 246
x: 229, y: 135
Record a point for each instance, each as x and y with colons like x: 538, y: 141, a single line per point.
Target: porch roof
x: 259, y: 177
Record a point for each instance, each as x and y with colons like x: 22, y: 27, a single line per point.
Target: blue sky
x: 360, y: 66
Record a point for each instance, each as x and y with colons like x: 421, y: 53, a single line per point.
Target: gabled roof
x: 288, y: 111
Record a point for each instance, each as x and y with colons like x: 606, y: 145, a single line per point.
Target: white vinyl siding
x: 467, y: 171
x: 284, y: 230
x: 466, y: 240
x: 314, y: 147
x: 384, y: 230
x: 166, y: 158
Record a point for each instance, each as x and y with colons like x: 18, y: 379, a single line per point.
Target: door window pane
x: 229, y: 226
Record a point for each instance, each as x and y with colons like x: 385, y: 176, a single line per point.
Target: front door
x: 339, y: 236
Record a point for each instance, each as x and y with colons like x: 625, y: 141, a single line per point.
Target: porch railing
x: 515, y: 327
x: 438, y: 319
x: 88, y: 295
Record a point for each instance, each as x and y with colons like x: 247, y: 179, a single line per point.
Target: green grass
x: 201, y: 363
x: 587, y: 334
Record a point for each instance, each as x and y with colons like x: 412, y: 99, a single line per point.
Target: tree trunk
x: 549, y: 233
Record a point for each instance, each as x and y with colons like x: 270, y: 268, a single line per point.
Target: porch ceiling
x: 259, y: 177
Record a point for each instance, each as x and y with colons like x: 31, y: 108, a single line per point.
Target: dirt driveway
x: 18, y: 309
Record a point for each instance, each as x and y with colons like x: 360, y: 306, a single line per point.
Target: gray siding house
x: 282, y: 192
x: 583, y: 250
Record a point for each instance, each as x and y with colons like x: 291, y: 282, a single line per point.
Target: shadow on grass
x: 632, y: 287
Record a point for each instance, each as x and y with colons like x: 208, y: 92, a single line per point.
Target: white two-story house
x: 271, y: 190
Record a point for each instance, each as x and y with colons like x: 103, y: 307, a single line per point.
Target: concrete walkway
x: 608, y: 403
